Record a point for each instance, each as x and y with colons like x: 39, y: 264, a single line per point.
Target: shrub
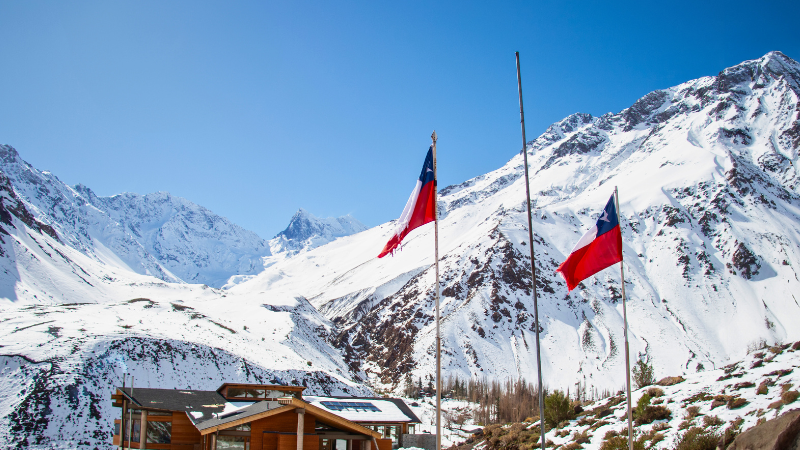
x: 755, y: 346
x: 692, y: 412
x: 581, y: 438
x: 653, y: 413
x: 699, y: 397
x: 641, y: 405
x: 654, y: 392
x: 762, y: 388
x: 660, y: 426
x: 557, y: 409
x: 586, y: 420
x: 796, y: 346
x: 785, y: 387
x: 789, y: 397
x: 620, y: 443
x: 712, y: 421
x: 572, y: 446
x: 643, y: 374
x: 697, y: 439
x: 776, y: 404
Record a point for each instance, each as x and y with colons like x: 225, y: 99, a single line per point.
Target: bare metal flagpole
x: 533, y: 264
x: 438, y: 335
x: 627, y: 351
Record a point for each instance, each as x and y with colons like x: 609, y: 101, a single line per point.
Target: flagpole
x: 438, y: 335
x: 533, y: 265
x: 627, y: 351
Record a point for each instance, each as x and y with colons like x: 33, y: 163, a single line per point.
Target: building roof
x: 392, y: 410
x: 199, y: 405
x: 242, y: 415
x: 271, y: 387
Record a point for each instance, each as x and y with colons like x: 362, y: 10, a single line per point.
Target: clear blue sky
x: 255, y: 109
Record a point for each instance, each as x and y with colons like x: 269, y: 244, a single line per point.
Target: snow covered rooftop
x: 365, y: 409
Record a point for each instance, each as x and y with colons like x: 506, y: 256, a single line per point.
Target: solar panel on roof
x: 350, y: 406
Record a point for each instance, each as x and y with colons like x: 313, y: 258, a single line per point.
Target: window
x: 350, y: 406
x: 242, y: 427
x: 411, y: 428
x: 137, y: 425
x: 232, y: 443
x: 159, y: 413
x: 159, y: 432
x: 116, y: 428
x: 246, y: 393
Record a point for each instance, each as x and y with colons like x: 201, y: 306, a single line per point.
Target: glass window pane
x: 136, y: 427
x: 159, y: 432
x: 231, y: 442
x: 235, y: 392
x: 116, y: 428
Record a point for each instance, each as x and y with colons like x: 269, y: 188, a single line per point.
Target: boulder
x: 782, y: 433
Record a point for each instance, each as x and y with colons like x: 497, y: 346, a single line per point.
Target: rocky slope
x: 717, y: 405
x: 710, y: 204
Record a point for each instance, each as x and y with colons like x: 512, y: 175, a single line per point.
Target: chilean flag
x: 599, y: 248
x: 419, y: 209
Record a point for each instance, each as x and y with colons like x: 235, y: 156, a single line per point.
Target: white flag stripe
x: 586, y: 239
x: 402, y: 222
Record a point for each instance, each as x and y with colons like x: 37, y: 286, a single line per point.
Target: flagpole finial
x: 433, y: 136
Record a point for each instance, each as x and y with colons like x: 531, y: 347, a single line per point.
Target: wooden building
x: 390, y: 417
x: 253, y: 417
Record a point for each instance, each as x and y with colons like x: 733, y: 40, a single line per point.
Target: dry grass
x: 699, y: 397
x: 655, y: 392
x: 581, y: 438
x: 670, y: 381
x: 712, y: 421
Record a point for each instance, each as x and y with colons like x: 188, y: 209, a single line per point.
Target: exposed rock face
x: 782, y: 433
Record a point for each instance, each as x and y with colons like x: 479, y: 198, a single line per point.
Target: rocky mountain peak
x: 306, y: 231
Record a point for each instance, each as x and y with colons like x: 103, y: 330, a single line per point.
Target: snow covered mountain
x: 306, y: 231
x: 157, y: 234
x: 710, y: 204
x: 71, y: 325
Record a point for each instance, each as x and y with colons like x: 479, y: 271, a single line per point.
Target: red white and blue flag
x: 599, y: 248
x: 420, y: 208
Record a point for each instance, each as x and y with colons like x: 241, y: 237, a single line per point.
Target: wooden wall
x: 383, y: 444
x: 285, y: 423
x: 183, y: 431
